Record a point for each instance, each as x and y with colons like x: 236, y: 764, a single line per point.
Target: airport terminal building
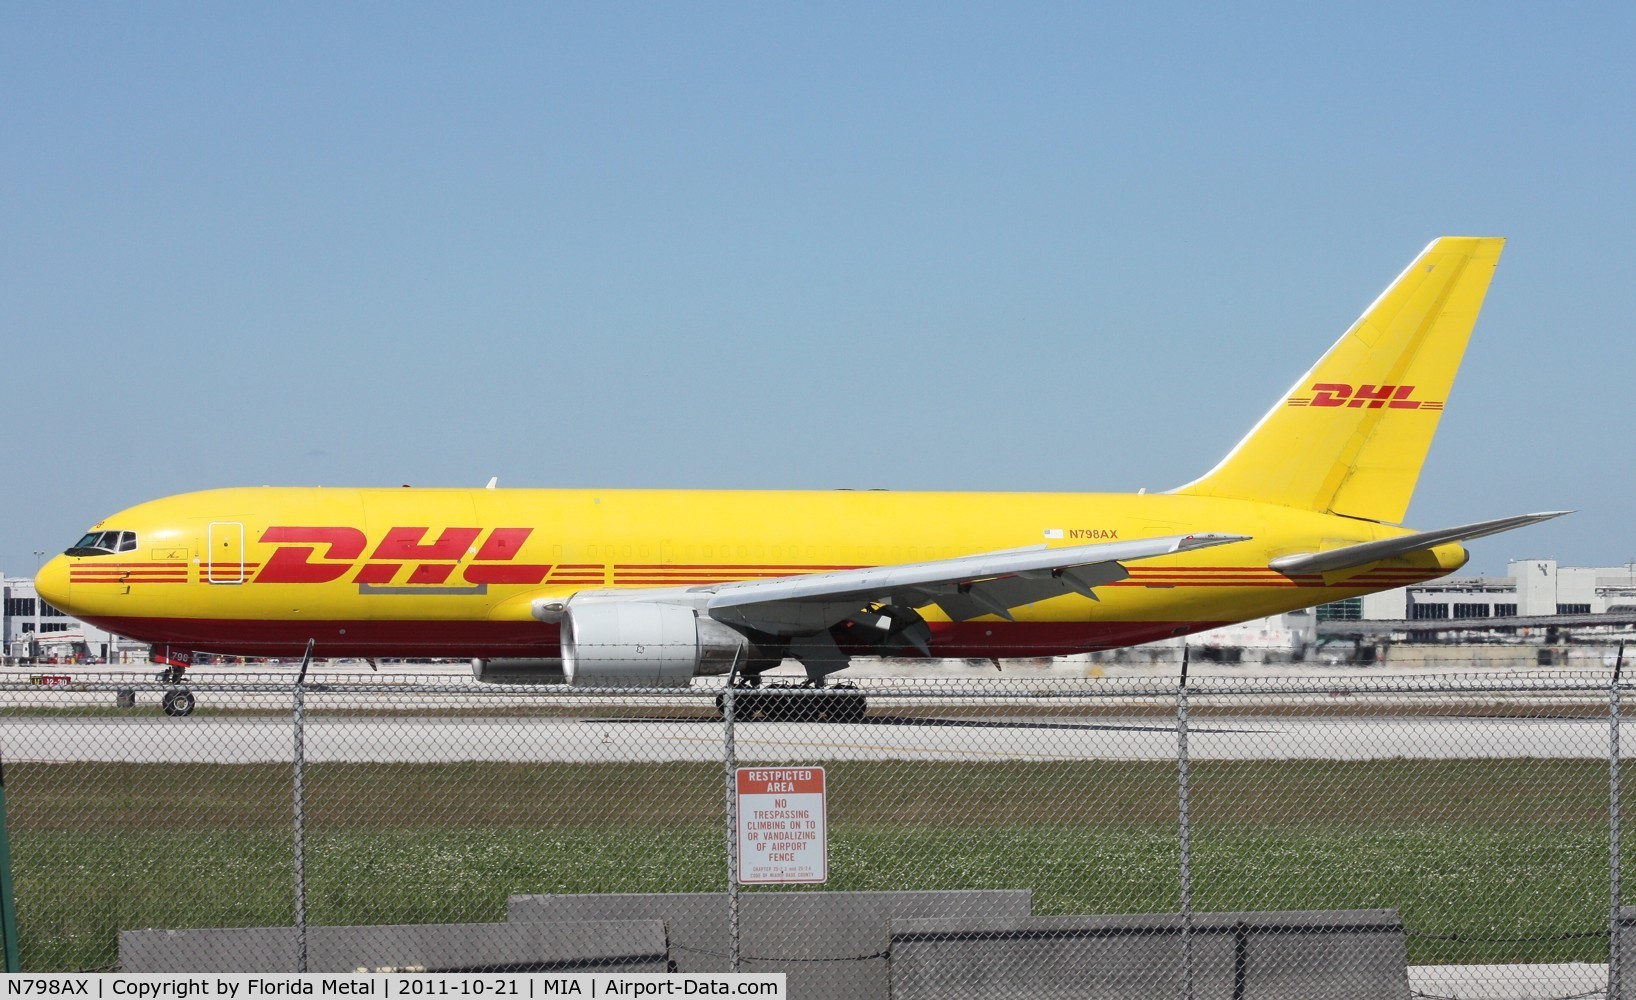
x: 31, y: 629
x: 1531, y: 588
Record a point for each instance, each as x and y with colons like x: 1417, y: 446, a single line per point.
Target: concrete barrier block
x: 1134, y: 957
x: 827, y: 943
x: 586, y: 946
x: 1256, y: 956
x: 1317, y: 953
x: 1627, y: 953
x: 697, y: 921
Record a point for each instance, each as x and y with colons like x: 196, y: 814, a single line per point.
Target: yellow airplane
x: 647, y: 588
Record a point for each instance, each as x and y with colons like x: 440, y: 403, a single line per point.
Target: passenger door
x: 224, y: 556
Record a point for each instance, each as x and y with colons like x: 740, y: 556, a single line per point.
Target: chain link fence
x: 1156, y: 831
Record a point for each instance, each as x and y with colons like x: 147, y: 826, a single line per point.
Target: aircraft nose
x: 51, y: 583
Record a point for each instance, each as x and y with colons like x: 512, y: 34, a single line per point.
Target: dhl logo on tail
x: 1396, y: 397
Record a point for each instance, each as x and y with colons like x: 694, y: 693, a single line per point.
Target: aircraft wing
x: 1386, y: 548
x: 966, y: 587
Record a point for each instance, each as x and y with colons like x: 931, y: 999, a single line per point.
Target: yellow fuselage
x: 453, y: 572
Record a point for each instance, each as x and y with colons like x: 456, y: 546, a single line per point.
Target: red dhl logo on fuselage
x: 1395, y: 397
x: 492, y: 561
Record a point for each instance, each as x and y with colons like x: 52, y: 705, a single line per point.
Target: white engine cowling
x: 634, y: 644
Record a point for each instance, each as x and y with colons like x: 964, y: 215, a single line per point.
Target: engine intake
x: 632, y: 644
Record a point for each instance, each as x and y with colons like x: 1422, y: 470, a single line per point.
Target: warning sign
x: 783, y: 835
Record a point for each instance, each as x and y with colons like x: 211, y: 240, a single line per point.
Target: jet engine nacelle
x: 635, y: 644
x: 518, y: 670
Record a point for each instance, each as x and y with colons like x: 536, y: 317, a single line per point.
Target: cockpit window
x: 103, y: 543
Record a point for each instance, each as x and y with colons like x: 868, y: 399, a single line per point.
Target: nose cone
x: 51, y: 583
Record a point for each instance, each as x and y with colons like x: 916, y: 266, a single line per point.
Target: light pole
x: 39, y: 605
x: 39, y: 602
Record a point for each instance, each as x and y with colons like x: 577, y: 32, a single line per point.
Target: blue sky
x: 916, y: 246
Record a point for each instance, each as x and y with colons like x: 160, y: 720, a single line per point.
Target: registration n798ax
x: 651, y: 587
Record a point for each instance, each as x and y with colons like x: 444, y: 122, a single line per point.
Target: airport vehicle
x: 647, y: 588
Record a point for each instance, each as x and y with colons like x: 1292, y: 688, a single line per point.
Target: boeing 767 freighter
x: 644, y: 588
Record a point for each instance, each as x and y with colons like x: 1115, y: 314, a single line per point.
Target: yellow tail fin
x: 1351, y: 435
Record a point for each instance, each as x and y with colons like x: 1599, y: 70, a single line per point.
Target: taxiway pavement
x: 425, y: 739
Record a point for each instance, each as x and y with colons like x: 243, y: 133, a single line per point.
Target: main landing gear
x: 795, y: 703
x: 810, y: 701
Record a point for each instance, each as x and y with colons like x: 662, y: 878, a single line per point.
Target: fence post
x: 1185, y: 831
x: 730, y: 756
x: 299, y: 757
x: 8, y: 908
x: 1614, y: 972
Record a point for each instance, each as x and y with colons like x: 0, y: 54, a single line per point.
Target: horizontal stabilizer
x: 1386, y: 548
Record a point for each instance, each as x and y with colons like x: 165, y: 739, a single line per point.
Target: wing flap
x: 999, y: 596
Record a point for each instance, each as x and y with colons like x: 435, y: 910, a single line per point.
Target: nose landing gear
x: 178, y: 701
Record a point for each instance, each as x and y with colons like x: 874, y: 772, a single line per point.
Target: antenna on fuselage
x: 493, y: 482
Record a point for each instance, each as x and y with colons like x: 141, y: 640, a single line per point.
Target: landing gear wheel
x: 181, y: 702
x: 841, y: 703
x: 785, y: 703
x: 850, y: 705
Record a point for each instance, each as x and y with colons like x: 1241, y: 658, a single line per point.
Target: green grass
x: 1510, y: 853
